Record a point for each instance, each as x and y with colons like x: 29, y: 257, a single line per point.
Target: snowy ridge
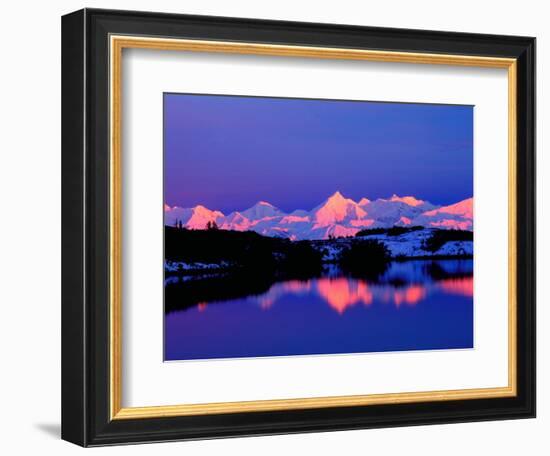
x: 337, y: 216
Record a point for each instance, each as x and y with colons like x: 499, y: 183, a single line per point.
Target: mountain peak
x: 410, y: 200
x: 202, y: 209
x: 337, y: 200
x: 261, y: 210
x: 464, y: 208
x: 264, y: 203
x: 455, y: 216
x: 336, y: 195
x: 194, y: 217
x: 336, y: 209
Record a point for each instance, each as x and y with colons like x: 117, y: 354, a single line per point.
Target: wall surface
x: 30, y: 230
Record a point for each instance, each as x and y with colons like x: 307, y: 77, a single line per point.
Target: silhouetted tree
x: 212, y: 225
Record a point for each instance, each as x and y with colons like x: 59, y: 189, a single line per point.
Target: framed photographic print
x: 278, y: 227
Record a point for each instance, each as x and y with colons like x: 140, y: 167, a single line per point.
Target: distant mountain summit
x: 337, y: 209
x: 195, y: 218
x: 456, y: 216
x: 397, y: 210
x: 336, y: 216
x: 260, y: 210
x: 409, y: 200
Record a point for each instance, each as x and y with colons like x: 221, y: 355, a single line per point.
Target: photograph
x: 297, y: 226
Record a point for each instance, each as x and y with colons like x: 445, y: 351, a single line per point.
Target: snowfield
x: 180, y: 266
x: 407, y: 245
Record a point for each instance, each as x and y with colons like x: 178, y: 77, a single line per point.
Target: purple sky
x: 229, y: 152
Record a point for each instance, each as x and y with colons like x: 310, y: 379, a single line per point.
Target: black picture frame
x: 85, y: 224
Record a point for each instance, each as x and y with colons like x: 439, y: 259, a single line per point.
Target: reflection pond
x: 413, y: 305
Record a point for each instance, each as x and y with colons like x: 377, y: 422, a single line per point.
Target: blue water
x: 414, y: 305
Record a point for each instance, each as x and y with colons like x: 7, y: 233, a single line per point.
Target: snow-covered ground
x: 181, y: 266
x: 407, y: 245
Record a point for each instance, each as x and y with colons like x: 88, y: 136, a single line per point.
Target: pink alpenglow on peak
x: 458, y: 216
x: 337, y: 216
x: 235, y: 221
x: 464, y: 208
x: 337, y: 208
x: 194, y: 218
x: 410, y: 200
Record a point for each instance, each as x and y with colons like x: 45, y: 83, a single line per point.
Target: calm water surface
x: 414, y: 305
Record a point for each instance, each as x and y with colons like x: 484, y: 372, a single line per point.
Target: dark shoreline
x: 232, y: 269
x: 220, y: 286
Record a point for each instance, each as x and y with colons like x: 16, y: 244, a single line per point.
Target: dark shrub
x: 369, y: 257
x: 369, y: 231
x: 301, y: 259
x: 440, y: 237
x: 393, y: 231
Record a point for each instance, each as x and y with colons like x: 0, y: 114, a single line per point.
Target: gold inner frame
x: 117, y: 44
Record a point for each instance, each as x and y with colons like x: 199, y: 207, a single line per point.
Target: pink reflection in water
x: 343, y: 293
x: 410, y: 295
x: 463, y: 286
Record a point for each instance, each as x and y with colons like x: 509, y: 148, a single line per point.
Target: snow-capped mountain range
x: 336, y: 216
